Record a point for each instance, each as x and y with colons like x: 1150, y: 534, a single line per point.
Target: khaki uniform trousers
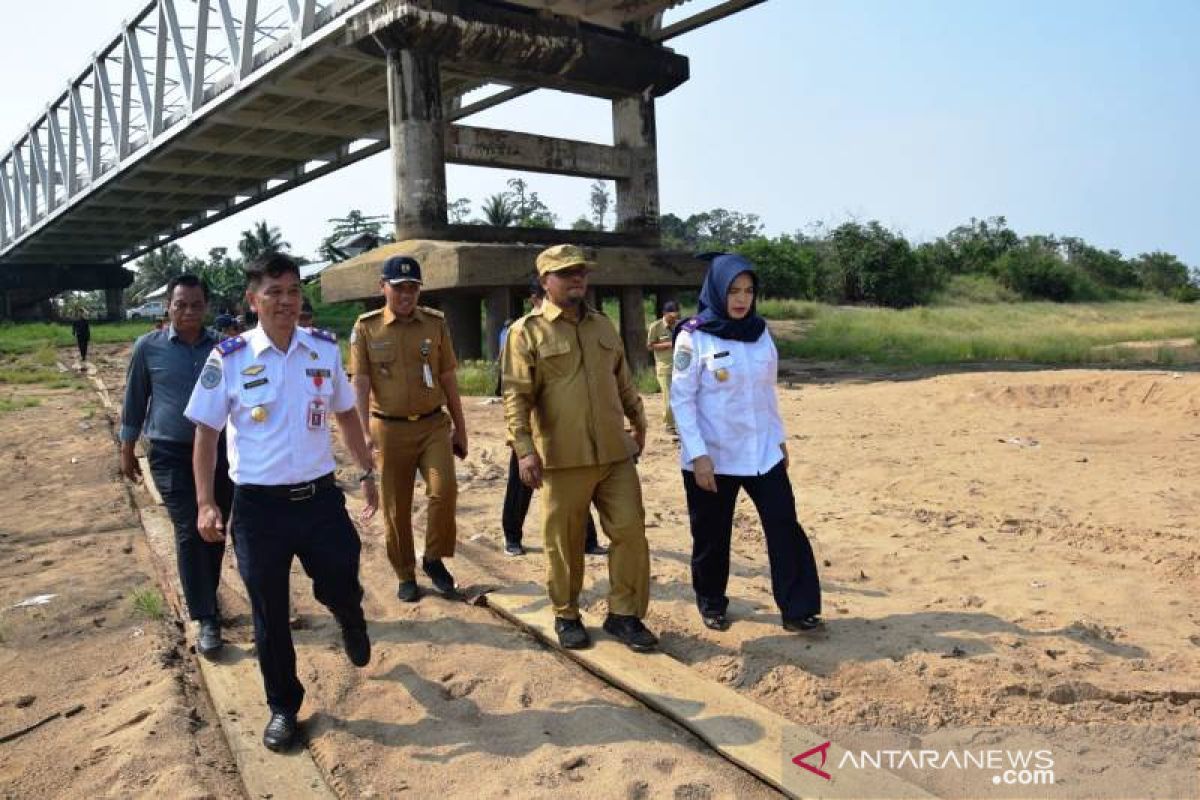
x: 405, y: 447
x: 663, y: 373
x: 617, y: 494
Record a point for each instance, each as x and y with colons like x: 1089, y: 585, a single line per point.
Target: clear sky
x: 1073, y: 117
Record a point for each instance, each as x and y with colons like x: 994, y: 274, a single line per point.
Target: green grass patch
x: 646, y: 381
x: 13, y: 403
x: 149, y: 602
x: 1044, y: 333
x: 38, y: 337
x: 477, y: 377
x: 29, y: 373
x: 789, y: 309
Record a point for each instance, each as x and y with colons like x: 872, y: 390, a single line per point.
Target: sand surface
x: 996, y: 548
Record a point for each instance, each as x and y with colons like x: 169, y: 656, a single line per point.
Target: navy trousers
x: 198, y: 561
x: 516, y: 506
x: 794, y: 580
x: 268, y: 532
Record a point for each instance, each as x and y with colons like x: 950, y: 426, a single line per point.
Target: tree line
x: 852, y: 263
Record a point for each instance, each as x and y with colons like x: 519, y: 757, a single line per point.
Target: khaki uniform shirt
x: 659, y: 332
x: 393, y: 351
x: 567, y: 389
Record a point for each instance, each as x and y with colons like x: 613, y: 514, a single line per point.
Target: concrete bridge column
x: 637, y: 196
x: 633, y: 327
x: 114, y: 304
x: 418, y: 144
x: 499, y: 307
x: 463, y: 319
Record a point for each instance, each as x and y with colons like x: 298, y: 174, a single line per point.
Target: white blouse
x: 723, y: 397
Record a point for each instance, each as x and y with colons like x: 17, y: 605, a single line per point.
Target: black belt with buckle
x: 295, y: 491
x: 409, y: 418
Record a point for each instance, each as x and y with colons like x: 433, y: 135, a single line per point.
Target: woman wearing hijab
x: 732, y: 438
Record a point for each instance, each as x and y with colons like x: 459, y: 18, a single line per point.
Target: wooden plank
x: 744, y: 732
x: 234, y: 684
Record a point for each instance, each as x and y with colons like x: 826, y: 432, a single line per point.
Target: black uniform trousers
x: 268, y: 531
x: 198, y: 561
x: 517, y: 497
x: 794, y: 580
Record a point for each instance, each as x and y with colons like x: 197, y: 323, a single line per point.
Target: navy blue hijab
x: 714, y: 301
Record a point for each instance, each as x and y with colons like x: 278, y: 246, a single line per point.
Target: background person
x: 732, y: 438
x: 405, y: 380
x: 275, y: 388
x: 659, y: 341
x: 82, y: 332
x: 163, y: 369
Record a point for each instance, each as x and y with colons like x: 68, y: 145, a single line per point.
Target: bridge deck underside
x: 272, y: 139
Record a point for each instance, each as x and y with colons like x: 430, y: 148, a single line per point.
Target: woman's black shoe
x: 799, y: 624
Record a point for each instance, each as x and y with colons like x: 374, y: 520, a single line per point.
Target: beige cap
x: 561, y: 256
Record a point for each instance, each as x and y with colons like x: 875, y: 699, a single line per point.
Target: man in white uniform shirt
x: 276, y: 387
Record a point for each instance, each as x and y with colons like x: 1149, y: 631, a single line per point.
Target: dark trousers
x: 794, y: 580
x: 198, y: 561
x: 268, y: 532
x: 83, y: 344
x: 516, y: 506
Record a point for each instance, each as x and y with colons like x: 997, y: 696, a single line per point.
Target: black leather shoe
x: 357, y: 645
x: 443, y: 581
x: 280, y: 732
x: 799, y: 624
x: 208, y: 640
x: 631, y: 632
x: 596, y: 549
x: 571, y: 633
x: 408, y: 591
x: 514, y: 549
x: 717, y: 622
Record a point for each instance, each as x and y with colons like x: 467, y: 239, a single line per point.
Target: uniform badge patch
x: 211, y: 376
x: 254, y: 369
x: 683, y: 359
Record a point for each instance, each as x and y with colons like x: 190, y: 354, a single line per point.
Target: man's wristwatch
x: 369, y: 475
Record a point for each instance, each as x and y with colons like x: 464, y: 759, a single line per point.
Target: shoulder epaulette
x: 369, y: 315
x: 433, y: 312
x: 321, y: 333
x: 690, y: 325
x: 230, y: 345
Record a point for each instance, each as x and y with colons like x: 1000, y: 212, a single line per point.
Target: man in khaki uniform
x: 567, y: 390
x: 403, y: 364
x: 659, y: 340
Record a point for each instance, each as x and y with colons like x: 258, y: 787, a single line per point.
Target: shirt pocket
x: 555, y: 359
x: 318, y: 381
x: 721, y: 369
x: 382, y: 359
x: 258, y: 391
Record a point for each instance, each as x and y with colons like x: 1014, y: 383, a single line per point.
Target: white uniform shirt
x: 734, y: 421
x: 296, y: 393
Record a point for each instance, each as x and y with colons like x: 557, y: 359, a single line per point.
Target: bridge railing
x: 168, y: 62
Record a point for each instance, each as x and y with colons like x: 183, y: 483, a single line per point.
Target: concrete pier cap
x: 460, y: 276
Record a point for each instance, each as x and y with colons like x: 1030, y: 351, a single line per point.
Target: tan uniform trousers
x: 663, y: 372
x: 405, y: 447
x: 617, y: 494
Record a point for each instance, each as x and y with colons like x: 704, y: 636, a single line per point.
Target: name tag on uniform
x: 718, y: 364
x: 316, y: 415
x: 254, y: 383
x: 427, y: 375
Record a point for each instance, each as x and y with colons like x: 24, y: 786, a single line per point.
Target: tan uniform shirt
x: 393, y: 352
x: 659, y: 332
x: 567, y: 388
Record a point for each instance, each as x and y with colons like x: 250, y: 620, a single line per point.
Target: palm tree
x: 261, y: 238
x: 498, y: 210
